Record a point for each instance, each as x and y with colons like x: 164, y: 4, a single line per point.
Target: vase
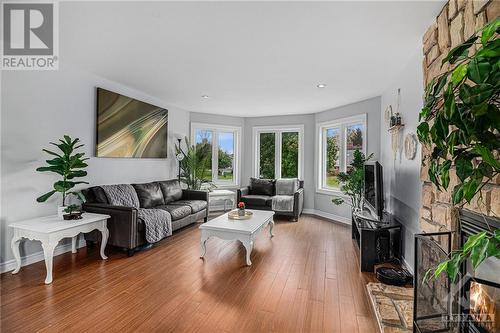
x: 60, y: 211
x: 241, y: 212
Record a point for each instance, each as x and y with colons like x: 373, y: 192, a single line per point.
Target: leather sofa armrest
x: 122, y: 224
x: 241, y: 192
x: 298, y: 202
x: 195, y: 195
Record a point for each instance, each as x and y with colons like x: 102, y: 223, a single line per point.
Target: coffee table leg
x: 271, y: 226
x: 248, y: 247
x: 203, y: 246
x: 48, y: 253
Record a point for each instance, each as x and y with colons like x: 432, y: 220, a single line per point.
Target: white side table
x: 51, y: 229
x: 226, y: 197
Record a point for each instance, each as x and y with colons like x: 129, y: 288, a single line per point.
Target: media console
x: 377, y: 241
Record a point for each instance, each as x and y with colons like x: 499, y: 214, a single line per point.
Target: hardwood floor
x: 305, y: 279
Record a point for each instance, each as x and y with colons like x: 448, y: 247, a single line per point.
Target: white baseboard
x: 38, y: 256
x: 328, y: 216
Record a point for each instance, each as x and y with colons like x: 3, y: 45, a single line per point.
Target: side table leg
x: 248, y: 247
x: 17, y: 255
x: 74, y: 240
x: 48, y: 253
x: 104, y: 241
x: 271, y: 226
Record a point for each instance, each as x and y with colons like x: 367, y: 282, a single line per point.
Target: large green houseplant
x: 461, y: 128
x: 68, y: 164
x: 352, y: 181
x: 194, y: 165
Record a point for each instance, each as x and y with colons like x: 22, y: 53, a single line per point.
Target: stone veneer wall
x: 458, y: 20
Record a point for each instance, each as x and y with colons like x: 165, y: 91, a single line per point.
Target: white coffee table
x: 51, y: 229
x: 243, y: 230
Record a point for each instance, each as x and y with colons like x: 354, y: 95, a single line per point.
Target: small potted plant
x: 241, y: 208
x: 73, y: 212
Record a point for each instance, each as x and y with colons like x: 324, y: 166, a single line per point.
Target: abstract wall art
x: 127, y: 127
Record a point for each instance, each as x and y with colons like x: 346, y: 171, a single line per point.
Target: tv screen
x: 127, y: 127
x: 373, y: 189
x: 370, y: 195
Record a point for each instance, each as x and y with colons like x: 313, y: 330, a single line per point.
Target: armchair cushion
x: 287, y: 186
x: 149, y: 195
x: 171, y: 189
x: 196, y: 205
x: 262, y: 186
x: 257, y: 200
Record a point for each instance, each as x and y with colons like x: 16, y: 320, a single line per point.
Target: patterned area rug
x: 393, y: 307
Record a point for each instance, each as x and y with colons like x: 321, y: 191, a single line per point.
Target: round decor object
x: 179, y: 157
x: 234, y: 215
x: 410, y: 146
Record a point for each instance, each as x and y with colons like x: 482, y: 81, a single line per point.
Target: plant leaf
x: 459, y: 73
x: 44, y: 197
x: 478, y: 71
x: 489, y: 30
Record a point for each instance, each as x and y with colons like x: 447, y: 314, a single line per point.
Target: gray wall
x: 402, y: 183
x: 308, y: 122
x: 41, y: 106
x: 323, y: 202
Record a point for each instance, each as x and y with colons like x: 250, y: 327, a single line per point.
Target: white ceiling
x: 251, y: 58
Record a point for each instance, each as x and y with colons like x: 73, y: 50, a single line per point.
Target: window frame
x: 277, y: 130
x: 216, y: 129
x: 342, y: 124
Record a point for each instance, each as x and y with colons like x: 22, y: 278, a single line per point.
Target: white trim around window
x: 341, y: 125
x: 277, y: 130
x: 216, y: 129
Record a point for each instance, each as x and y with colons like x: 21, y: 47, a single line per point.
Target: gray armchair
x: 259, y: 195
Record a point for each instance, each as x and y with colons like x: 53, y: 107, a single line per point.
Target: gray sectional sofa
x: 126, y: 230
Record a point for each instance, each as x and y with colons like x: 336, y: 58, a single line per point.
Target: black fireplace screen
x: 433, y: 301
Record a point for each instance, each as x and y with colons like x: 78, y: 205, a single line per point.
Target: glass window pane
x: 226, y: 156
x: 332, y: 167
x: 203, y: 142
x: 290, y: 155
x: 354, y: 141
x: 267, y: 155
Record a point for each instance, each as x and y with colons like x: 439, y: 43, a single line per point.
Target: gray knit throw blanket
x: 158, y: 222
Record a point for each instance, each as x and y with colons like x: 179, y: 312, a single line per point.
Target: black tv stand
x: 378, y: 241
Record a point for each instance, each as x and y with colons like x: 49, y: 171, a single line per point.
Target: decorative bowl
x: 234, y: 215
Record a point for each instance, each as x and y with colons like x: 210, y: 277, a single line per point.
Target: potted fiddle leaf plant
x: 69, y: 165
x: 460, y: 125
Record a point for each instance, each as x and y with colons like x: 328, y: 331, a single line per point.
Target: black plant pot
x: 72, y: 216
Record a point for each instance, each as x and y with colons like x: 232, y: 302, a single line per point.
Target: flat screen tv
x: 374, y: 189
x: 127, y: 127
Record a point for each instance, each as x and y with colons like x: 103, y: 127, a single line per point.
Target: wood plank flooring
x: 305, y: 279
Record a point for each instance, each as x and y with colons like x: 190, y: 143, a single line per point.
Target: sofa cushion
x: 149, y: 195
x: 287, y: 186
x: 196, y: 205
x: 262, y: 186
x: 171, y: 189
x: 257, y: 200
x: 176, y: 211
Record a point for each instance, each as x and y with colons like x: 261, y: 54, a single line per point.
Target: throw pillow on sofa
x: 287, y: 186
x: 149, y: 194
x: 262, y: 186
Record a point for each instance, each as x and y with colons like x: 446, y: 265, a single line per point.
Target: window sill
x: 337, y: 193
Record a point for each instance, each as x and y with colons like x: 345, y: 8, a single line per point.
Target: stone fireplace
x: 456, y: 22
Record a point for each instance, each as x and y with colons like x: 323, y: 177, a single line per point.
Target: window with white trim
x: 278, y: 151
x: 222, y: 145
x: 337, y: 141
